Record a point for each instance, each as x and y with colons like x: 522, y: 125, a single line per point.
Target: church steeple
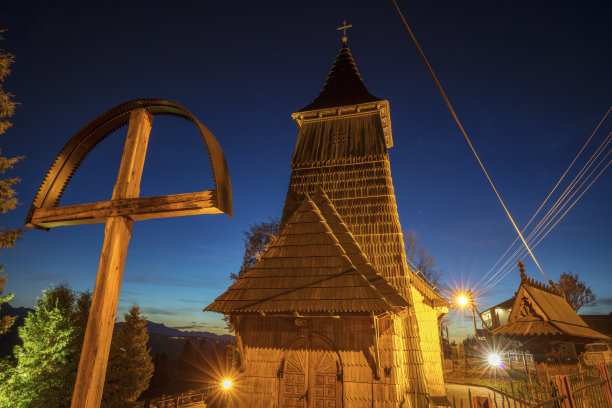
x: 343, y: 86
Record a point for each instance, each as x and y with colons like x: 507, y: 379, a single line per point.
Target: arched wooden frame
x: 324, y: 339
x: 44, y: 212
x: 290, y: 347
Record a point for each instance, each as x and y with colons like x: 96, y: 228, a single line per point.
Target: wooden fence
x: 188, y: 399
x: 591, y: 388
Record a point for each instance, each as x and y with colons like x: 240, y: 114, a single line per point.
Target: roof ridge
x: 345, y: 254
x: 321, y: 195
x: 338, y: 285
x: 538, y: 285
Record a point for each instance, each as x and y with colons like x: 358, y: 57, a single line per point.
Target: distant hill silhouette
x: 163, y: 339
x: 162, y: 329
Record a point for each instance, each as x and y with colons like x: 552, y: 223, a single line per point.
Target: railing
x: 187, y: 399
x: 589, y: 388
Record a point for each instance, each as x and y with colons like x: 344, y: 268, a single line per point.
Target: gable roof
x: 307, y: 269
x: 343, y: 86
x: 542, y: 310
x: 354, y: 251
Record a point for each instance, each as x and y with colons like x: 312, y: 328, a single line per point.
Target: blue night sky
x: 529, y: 80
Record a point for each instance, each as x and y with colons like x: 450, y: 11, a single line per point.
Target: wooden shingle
x: 307, y: 269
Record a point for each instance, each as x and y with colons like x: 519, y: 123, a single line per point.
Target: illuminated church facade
x: 332, y: 315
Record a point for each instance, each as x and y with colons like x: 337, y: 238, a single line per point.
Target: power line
x: 553, y: 212
x: 543, y: 229
x: 450, y: 107
x: 546, y: 199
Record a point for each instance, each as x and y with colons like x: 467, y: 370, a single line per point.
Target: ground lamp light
x: 495, y: 360
x: 226, y: 384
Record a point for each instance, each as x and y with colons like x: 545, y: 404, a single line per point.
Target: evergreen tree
x: 186, y: 371
x: 130, y: 366
x: 162, y: 371
x: 8, y: 199
x: 7, y: 321
x: 46, y: 363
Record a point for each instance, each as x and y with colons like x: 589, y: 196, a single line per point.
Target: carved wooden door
x: 294, y: 382
x: 310, y: 380
x: 323, y: 380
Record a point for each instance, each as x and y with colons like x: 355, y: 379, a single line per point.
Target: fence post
x: 482, y: 402
x: 606, y: 387
x: 564, y: 388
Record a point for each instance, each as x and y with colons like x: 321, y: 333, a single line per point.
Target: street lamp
x: 467, y: 300
x: 462, y: 301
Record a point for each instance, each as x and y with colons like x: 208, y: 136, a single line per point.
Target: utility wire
x: 545, y: 200
x: 553, y: 212
x: 543, y: 226
x: 556, y: 222
x: 450, y: 107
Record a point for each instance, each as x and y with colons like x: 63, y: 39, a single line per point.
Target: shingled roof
x: 312, y: 267
x: 541, y: 310
x: 343, y: 86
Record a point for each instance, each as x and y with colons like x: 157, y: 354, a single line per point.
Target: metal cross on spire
x: 344, y: 27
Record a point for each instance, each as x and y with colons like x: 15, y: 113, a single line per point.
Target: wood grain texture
x: 137, y: 209
x: 96, y: 345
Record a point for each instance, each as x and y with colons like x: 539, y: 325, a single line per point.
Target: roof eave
x: 380, y: 107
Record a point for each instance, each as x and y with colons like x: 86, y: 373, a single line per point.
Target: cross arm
x: 144, y: 208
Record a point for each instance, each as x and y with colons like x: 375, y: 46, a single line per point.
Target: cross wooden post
x: 96, y: 345
x: 119, y: 214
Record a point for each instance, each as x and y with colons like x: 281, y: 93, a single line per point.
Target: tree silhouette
x: 130, y: 366
x: 8, y: 196
x: 419, y: 260
x: 576, y: 292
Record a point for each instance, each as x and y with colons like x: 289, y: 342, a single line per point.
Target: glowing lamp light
x: 462, y: 300
x: 226, y: 384
x: 495, y: 360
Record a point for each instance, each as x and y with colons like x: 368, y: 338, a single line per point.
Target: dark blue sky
x: 530, y: 81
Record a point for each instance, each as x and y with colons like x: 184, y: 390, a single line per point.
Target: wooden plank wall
x: 266, y: 339
x: 427, y: 319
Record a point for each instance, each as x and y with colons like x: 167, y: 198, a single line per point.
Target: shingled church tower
x: 331, y: 315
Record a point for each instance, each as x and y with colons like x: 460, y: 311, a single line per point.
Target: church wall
x: 427, y: 319
x: 266, y: 341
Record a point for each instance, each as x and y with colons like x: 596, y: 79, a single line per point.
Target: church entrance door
x: 310, y: 379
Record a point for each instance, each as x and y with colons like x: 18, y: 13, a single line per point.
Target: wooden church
x: 331, y: 315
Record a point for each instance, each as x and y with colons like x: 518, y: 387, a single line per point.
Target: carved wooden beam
x: 136, y: 209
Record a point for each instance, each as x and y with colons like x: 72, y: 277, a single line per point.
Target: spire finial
x: 343, y: 28
x: 522, y: 270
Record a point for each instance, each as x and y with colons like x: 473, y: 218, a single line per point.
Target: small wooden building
x: 331, y: 315
x: 547, y: 326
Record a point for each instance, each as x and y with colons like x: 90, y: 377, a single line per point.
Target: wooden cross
x: 119, y: 214
x: 343, y: 28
